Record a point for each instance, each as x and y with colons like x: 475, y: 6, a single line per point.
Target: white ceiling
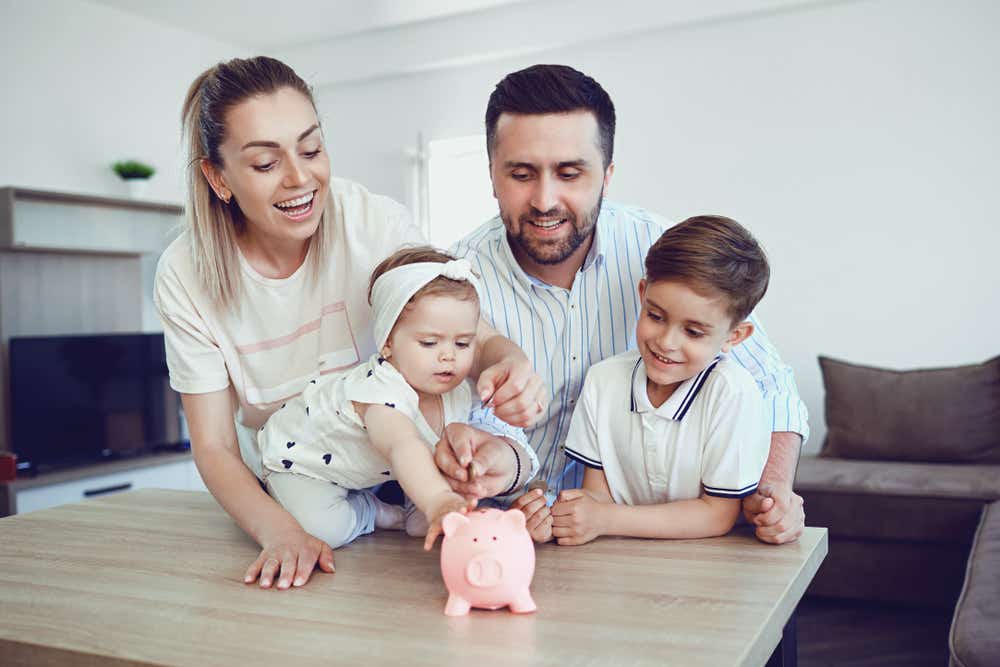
x: 260, y: 24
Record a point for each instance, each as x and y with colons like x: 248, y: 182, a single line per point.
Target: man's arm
x: 506, y: 380
x: 501, y: 464
x: 775, y: 510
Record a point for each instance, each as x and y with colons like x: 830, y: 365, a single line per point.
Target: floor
x: 865, y: 634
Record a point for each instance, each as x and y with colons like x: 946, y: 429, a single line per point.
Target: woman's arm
x: 285, y: 547
x: 580, y: 515
x: 396, y: 438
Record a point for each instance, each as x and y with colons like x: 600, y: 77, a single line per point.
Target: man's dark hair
x: 541, y: 89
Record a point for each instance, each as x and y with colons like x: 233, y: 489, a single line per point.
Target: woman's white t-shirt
x: 286, y: 331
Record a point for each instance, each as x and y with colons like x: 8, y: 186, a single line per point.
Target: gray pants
x: 324, y: 510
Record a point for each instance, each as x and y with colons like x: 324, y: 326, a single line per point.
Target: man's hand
x: 493, y: 463
x: 777, y: 513
x: 537, y: 514
x: 577, y: 518
x: 515, y: 392
x: 290, y: 556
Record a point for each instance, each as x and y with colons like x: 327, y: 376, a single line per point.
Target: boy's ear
x: 740, y: 333
x: 642, y: 290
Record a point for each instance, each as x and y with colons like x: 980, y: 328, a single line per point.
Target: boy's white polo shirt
x: 710, y: 434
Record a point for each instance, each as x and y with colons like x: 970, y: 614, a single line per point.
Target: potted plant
x: 135, y: 174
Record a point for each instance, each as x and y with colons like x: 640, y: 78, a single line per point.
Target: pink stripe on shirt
x: 281, y: 341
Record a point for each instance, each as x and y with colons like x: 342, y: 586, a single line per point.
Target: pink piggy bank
x: 487, y: 561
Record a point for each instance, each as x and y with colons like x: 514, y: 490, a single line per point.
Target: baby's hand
x: 449, y: 502
x: 538, y: 516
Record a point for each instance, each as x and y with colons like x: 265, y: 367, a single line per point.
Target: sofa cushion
x: 945, y: 415
x: 975, y: 640
x: 926, y: 480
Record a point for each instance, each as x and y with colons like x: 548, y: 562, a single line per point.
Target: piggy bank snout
x: 484, y: 571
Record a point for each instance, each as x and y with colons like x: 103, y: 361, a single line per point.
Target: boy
x: 672, y: 434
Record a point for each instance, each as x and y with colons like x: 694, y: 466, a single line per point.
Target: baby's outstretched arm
x: 395, y: 436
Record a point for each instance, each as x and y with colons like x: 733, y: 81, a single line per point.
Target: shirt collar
x: 679, y: 402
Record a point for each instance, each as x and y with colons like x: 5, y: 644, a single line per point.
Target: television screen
x: 80, y: 399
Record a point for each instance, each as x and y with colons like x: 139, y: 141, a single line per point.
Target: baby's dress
x: 319, y: 434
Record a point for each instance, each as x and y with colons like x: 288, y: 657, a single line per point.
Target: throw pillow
x: 937, y: 415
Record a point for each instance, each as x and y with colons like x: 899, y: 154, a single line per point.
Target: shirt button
x: 574, y: 357
x: 572, y: 306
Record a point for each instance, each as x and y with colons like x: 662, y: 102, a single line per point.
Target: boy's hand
x: 776, y: 512
x: 515, y: 392
x: 449, y: 502
x: 577, y: 518
x: 537, y: 514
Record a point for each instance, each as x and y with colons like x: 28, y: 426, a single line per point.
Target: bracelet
x: 517, y: 477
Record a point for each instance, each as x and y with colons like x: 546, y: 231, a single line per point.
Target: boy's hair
x: 716, y: 254
x: 541, y: 89
x: 460, y: 289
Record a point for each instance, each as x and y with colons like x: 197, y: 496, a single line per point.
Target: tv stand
x: 159, y: 470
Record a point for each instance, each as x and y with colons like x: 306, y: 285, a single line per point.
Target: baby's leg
x: 416, y: 521
x: 323, y: 509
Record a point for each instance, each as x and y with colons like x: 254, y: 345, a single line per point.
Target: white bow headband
x: 394, y: 289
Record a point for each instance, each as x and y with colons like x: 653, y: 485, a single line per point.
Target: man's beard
x: 558, y: 251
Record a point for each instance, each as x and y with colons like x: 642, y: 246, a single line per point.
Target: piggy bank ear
x: 513, y: 519
x: 453, y: 521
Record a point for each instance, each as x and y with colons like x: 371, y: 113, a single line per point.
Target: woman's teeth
x: 296, y: 205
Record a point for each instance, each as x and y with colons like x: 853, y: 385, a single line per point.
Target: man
x: 560, y: 269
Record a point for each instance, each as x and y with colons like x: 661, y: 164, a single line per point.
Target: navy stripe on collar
x: 694, y: 389
x: 635, y: 369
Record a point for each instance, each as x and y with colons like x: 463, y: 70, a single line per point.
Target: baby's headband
x: 394, y: 289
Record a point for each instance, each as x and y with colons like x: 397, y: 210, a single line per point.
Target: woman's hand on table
x: 289, y: 556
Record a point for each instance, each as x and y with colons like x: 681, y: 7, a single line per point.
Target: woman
x: 265, y: 291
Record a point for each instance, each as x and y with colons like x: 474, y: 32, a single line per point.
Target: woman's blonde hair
x: 214, y: 224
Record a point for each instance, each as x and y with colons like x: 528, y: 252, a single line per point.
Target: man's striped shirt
x: 563, y: 332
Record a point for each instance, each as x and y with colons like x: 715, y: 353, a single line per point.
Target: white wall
x: 858, y: 140
x: 84, y: 86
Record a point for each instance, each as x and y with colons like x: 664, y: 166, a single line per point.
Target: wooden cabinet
x: 39, y: 220
x: 163, y: 471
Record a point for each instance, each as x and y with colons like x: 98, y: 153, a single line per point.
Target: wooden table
x: 154, y: 577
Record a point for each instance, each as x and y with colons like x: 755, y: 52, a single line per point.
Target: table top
x: 155, y: 577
